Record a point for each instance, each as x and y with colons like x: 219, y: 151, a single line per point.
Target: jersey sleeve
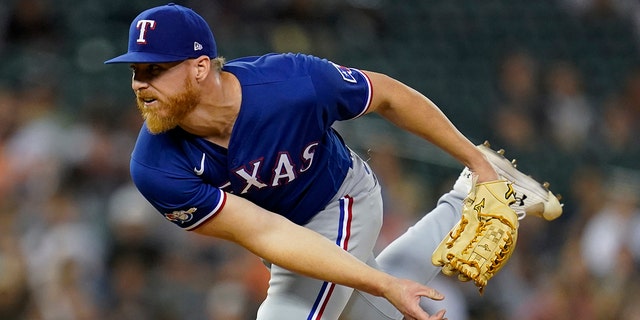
x: 345, y: 93
x: 180, y: 198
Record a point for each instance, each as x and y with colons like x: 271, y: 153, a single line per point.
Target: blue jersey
x: 283, y: 154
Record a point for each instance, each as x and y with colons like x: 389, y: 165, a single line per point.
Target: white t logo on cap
x: 144, y: 25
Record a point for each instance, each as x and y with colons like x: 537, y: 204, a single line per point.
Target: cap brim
x: 145, y: 57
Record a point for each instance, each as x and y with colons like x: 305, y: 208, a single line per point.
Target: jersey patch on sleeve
x: 180, y: 216
x: 346, y: 73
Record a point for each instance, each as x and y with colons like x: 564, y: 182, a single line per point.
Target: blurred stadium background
x: 554, y: 82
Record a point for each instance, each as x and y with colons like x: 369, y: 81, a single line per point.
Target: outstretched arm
x: 412, y: 111
x: 301, y: 250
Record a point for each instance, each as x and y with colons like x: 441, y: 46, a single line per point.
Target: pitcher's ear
x: 203, y: 66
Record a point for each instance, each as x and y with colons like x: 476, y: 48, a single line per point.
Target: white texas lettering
x: 283, y: 172
x: 283, y: 169
x: 142, y: 25
x: 251, y: 179
x: 307, y: 155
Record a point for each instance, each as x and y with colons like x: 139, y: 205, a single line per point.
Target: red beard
x: 166, y: 115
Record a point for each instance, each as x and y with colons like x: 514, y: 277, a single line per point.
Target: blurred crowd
x: 78, y: 242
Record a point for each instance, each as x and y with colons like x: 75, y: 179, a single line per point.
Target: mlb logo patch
x: 346, y: 73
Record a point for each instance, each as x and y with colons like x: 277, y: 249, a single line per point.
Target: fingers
x: 432, y: 294
x: 406, y: 295
x: 439, y: 315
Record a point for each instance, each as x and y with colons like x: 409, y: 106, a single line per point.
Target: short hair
x: 218, y: 63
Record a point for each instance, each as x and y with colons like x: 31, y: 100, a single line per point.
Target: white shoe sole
x: 533, y: 197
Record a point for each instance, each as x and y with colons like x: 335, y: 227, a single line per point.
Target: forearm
x: 301, y: 250
x: 304, y: 251
x: 298, y: 249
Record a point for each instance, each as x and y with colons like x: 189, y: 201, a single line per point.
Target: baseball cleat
x: 533, y: 198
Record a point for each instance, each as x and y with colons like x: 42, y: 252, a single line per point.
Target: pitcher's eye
x: 154, y: 69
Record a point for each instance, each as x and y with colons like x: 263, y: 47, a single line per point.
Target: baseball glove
x: 482, y: 242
